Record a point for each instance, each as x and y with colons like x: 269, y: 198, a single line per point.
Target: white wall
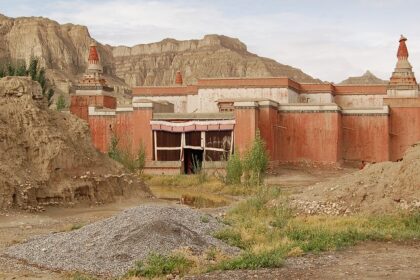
x: 206, y: 101
x: 359, y: 101
x: 316, y: 98
x: 180, y: 102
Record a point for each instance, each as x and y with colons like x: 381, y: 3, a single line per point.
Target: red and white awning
x: 192, y: 125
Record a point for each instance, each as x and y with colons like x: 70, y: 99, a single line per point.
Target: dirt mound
x: 385, y: 187
x: 46, y: 157
x: 110, y: 247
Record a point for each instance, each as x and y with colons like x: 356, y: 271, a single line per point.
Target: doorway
x: 193, y: 161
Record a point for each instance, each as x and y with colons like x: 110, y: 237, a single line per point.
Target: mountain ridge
x: 62, y: 49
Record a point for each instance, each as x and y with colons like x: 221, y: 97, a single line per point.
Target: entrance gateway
x: 193, y: 143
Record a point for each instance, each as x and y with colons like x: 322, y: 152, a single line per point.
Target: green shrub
x: 125, y: 156
x: 61, y: 102
x: 233, y: 170
x: 159, y: 265
x: 255, y: 162
x: 231, y: 237
x: 141, y: 158
x: 249, y: 260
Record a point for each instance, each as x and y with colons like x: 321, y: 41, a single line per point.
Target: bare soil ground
x: 365, y: 261
x: 369, y: 260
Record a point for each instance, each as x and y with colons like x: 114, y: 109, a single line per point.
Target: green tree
x: 10, y: 70
x: 21, y: 70
x: 61, y: 102
x: 33, y: 69
x: 40, y: 78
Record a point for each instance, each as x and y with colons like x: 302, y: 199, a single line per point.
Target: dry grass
x: 269, y: 232
x: 210, y: 193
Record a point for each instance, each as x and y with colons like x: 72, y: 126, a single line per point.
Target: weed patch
x: 268, y: 231
x: 158, y: 265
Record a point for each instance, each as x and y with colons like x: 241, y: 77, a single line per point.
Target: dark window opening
x: 218, y: 139
x: 193, y: 138
x: 168, y: 155
x: 168, y: 139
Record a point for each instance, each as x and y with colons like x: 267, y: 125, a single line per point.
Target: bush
x: 233, y: 170
x: 158, y: 265
x: 255, y: 162
x: 61, y: 102
x: 125, y: 156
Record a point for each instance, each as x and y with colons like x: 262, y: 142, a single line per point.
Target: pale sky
x: 329, y: 40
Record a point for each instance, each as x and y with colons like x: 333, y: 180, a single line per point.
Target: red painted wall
x: 124, y: 130
x: 309, y: 136
x: 245, y: 128
x: 267, y: 124
x: 404, y: 130
x: 101, y: 129
x: 365, y: 138
x: 142, y: 131
x: 79, y: 104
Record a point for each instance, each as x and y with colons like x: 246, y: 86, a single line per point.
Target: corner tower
x: 403, y: 82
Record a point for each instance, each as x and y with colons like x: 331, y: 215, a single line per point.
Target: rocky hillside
x: 366, y: 78
x: 63, y: 50
x: 47, y: 157
x: 212, y: 56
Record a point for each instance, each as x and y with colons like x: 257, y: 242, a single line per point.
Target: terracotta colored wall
x: 245, y: 127
x: 79, y: 104
x: 365, y: 137
x: 309, y: 136
x: 101, y: 128
x: 142, y: 131
x: 124, y: 129
x: 267, y: 124
x: 404, y: 130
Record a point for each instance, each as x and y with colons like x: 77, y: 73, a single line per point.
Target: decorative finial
x: 402, y: 49
x: 178, y: 78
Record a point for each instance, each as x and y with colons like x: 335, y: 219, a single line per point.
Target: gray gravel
x: 110, y: 247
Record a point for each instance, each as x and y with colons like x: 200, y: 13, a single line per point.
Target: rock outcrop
x: 62, y: 49
x: 212, y: 56
x: 46, y: 157
x: 366, y: 78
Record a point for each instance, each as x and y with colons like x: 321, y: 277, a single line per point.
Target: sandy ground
x: 365, y: 261
x: 369, y: 260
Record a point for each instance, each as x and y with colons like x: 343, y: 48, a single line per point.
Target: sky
x: 329, y: 40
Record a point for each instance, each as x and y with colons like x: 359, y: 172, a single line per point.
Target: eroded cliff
x: 62, y: 49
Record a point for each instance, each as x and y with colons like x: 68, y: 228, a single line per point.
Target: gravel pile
x: 110, y: 247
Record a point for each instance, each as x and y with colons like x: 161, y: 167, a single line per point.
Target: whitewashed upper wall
x: 318, y: 98
x: 180, y: 102
x: 207, y: 98
x: 359, y: 101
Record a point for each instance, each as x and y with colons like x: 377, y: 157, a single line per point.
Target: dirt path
x: 369, y: 260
